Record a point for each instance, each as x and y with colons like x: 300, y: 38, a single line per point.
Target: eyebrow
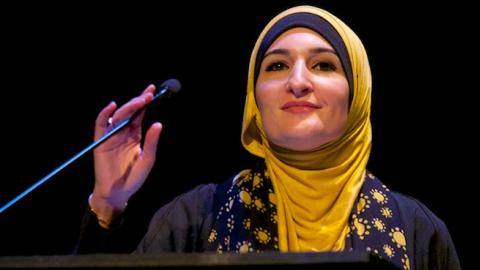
x: 287, y: 52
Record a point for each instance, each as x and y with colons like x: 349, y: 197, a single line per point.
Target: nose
x: 298, y: 82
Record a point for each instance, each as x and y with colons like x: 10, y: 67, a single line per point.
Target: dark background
x: 60, y: 65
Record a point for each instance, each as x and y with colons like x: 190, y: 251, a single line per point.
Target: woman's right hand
x: 121, y: 163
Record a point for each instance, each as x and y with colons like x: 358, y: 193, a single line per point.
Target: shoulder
x: 427, y: 235
x: 421, y: 216
x: 198, y: 194
x: 417, y: 209
x: 196, y: 200
x: 411, y: 209
x: 433, y: 245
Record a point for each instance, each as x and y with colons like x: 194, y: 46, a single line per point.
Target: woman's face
x: 302, y: 91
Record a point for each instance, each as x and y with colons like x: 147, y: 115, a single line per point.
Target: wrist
x: 104, y: 211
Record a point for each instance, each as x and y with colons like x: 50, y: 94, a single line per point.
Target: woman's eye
x: 325, y: 66
x: 276, y: 66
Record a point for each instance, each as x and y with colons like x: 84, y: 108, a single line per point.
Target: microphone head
x: 173, y: 85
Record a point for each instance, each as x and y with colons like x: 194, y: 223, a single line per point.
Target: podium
x: 200, y: 261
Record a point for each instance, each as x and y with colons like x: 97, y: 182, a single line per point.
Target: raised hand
x: 121, y: 163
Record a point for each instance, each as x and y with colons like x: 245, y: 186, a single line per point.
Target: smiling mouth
x: 299, y: 107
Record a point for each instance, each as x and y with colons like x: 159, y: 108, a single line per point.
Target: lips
x: 299, y: 107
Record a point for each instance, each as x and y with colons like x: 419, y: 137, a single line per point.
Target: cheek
x: 267, y: 99
x: 265, y: 96
x: 335, y: 92
x: 340, y: 102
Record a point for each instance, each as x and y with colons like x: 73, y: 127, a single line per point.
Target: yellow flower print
x: 274, y: 217
x: 361, y: 226
x: 379, y: 196
x: 378, y: 224
x: 262, y: 235
x: 259, y: 204
x: 246, y: 198
x: 386, y: 212
x: 406, y: 262
x: 363, y: 203
x: 398, y: 237
x: 213, y: 236
x: 246, y: 223
x: 244, y: 247
x: 388, y: 250
x: 272, y: 198
x: 257, y: 181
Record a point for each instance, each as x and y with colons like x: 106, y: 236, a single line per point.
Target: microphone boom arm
x: 172, y: 85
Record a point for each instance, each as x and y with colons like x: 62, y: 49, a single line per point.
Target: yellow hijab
x: 315, y: 190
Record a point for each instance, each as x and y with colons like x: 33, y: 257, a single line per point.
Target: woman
x: 307, y: 116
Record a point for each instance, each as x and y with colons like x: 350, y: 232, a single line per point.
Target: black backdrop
x: 61, y: 64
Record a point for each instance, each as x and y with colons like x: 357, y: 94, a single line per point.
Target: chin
x: 300, y: 143
x: 306, y: 141
x: 300, y: 138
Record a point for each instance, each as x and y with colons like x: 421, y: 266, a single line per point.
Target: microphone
x: 166, y: 89
x: 169, y: 86
x: 172, y: 85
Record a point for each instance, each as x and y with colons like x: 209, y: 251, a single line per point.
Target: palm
x: 121, y: 164
x: 122, y: 155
